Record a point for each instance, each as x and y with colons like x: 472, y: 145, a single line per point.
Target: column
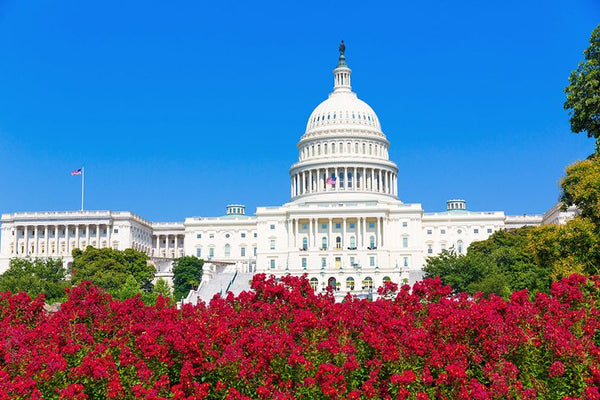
x: 296, y: 232
x: 176, y: 248
x: 46, y: 242
x: 346, y: 180
x: 310, y: 233
x: 381, y: 230
x: 87, y: 234
x: 98, y: 236
x: 25, y: 230
x: 315, y: 231
x: 56, y: 241
x: 344, y: 244
x: 77, y: 236
x: 354, y: 180
x: 329, y: 233
x: 35, y: 240
x: 292, y: 187
x: 167, y: 245
x: 364, y: 232
x: 337, y: 180
x: 310, y: 181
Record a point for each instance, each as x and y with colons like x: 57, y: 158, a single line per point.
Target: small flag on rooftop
x: 331, y: 180
x: 76, y: 172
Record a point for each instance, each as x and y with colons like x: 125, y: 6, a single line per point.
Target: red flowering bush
x: 282, y: 341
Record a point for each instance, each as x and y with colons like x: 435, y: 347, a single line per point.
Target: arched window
x: 353, y: 241
x: 367, y: 283
x: 332, y: 283
x: 372, y: 242
x: 332, y: 148
x: 459, y: 247
x: 338, y: 242
x: 227, y: 250
x: 324, y: 243
x: 350, y: 283
x: 314, y: 282
x: 305, y: 243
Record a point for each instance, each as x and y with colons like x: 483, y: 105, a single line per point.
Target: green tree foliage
x: 583, y: 91
x: 187, y: 273
x: 111, y: 269
x: 35, y: 277
x: 501, y: 264
x: 581, y: 187
x: 566, y: 249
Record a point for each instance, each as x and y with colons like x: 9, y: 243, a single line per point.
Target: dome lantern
x: 341, y: 82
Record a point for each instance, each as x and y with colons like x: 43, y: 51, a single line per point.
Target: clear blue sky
x: 178, y: 108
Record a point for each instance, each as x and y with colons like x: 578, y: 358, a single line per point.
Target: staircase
x: 221, y: 283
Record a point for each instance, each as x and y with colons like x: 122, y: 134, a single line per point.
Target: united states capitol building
x: 344, y: 226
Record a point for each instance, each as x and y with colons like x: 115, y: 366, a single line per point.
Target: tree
x: 110, y: 268
x: 583, y: 92
x: 581, y: 187
x: 501, y: 264
x: 187, y: 273
x: 38, y: 276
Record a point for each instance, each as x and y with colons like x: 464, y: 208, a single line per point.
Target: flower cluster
x: 282, y: 341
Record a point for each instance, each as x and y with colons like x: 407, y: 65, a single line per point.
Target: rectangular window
x: 323, y: 262
x: 198, y: 236
x: 243, y: 235
x: 489, y: 230
x: 254, y: 252
x: 198, y: 253
x: 352, y: 225
x: 304, y: 226
x: 254, y: 234
x: 404, y: 224
x: 243, y: 252
x: 272, y: 264
x: 303, y: 262
x: 323, y: 226
x: 372, y: 261
x: 272, y: 227
x: 338, y: 226
x: 272, y: 244
x: 405, y: 242
x: 352, y: 261
x: 429, y: 249
x: 211, y: 236
x: 116, y: 230
x: 406, y: 261
x: 371, y: 224
x: 475, y: 230
x: 443, y: 231
x: 429, y: 231
x: 211, y: 252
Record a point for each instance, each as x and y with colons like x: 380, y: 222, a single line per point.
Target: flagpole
x: 82, y: 180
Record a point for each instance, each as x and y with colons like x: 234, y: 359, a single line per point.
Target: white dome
x: 342, y: 108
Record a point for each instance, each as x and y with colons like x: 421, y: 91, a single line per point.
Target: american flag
x: 76, y: 172
x: 331, y: 180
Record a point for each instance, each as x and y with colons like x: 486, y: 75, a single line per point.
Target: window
x: 338, y: 226
x: 243, y: 252
x: 272, y: 244
x: 211, y: 236
x: 198, y: 253
x: 272, y: 263
x: 353, y: 242
x: 323, y: 262
x: 350, y: 283
x: 323, y: 226
x: 243, y: 235
x: 338, y: 242
x: 304, y: 243
x: 254, y: 251
x: 304, y: 262
x: 324, y: 243
x: 352, y: 261
x: 372, y: 261
x: 429, y: 249
x: 443, y: 231
x: 406, y: 261
x: 429, y: 231
x: 272, y: 227
x: 254, y: 234
x: 211, y: 252
x: 352, y: 225
x: 116, y: 230
x: 372, y: 242
x: 489, y: 230
x: 314, y: 282
x: 405, y: 242
x: 459, y: 231
x: 459, y: 247
x: 368, y: 283
x: 475, y: 230
x: 304, y: 226
x: 404, y: 224
x: 371, y: 224
x: 227, y: 235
